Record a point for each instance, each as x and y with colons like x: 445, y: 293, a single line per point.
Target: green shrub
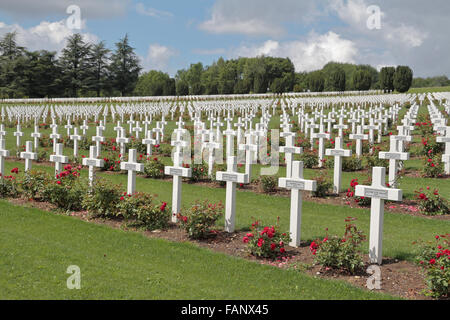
x: 430, y: 147
x: 266, y: 242
x: 154, y: 168
x: 165, y: 150
x: 34, y: 184
x: 102, y: 200
x: 310, y: 159
x: 431, y: 203
x: 324, y: 185
x: 200, y: 218
x: 141, y: 208
x: 268, y: 184
x: 433, y: 167
x: 9, y: 187
x: 340, y: 253
x: 351, y: 164
x: 199, y: 171
x: 434, y: 258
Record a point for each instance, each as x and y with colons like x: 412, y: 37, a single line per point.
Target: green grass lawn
x: 400, y: 230
x: 37, y: 247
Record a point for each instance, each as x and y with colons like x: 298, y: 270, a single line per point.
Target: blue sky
x: 169, y: 35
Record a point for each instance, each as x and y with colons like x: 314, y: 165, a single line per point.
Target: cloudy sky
x: 169, y: 35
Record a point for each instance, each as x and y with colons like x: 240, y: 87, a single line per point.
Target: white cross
x: 446, y: 155
x: 211, y: 146
x: 98, y: 139
x: 137, y: 129
x: 132, y: 166
x: 75, y: 137
x: 249, y: 148
x: 2, y: 131
x: 28, y: 155
x: 118, y: 129
x: 378, y: 192
x: 340, y: 126
x: 393, y: 155
x: 239, y: 125
x: 130, y: 123
x: 371, y: 127
x: 68, y: 126
x: 177, y: 171
x: 84, y: 127
x: 3, y: 153
x: 59, y: 158
x: 230, y: 133
x: 296, y: 183
x: 231, y: 176
x: 338, y: 152
x: 321, y: 135
x: 92, y: 162
x: 55, y: 136
x: 289, y: 150
x: 359, y: 136
x: 159, y: 131
x: 18, y: 134
x: 149, y: 142
x: 36, y: 135
x: 122, y: 140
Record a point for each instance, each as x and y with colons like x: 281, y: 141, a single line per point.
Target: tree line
x: 86, y: 69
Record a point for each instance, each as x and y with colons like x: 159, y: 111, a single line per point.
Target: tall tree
x: 75, y: 64
x: 403, y: 78
x: 124, y: 67
x: 362, y: 79
x: 12, y: 66
x: 99, y: 57
x: 387, y: 78
x: 316, y: 81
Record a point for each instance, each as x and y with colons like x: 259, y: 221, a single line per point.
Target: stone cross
x: 122, y: 140
x: 2, y: 131
x: 231, y: 176
x: 149, y: 142
x: 98, y: 139
x: 239, y: 125
x: 137, y: 129
x: 321, y: 135
x: 132, y: 166
x: 211, y: 146
x: 28, y: 155
x: 249, y: 148
x: 296, y: 183
x: 36, y: 135
x: 446, y: 156
x: 378, y: 192
x: 177, y: 171
x: 338, y: 152
x: 68, y: 126
x: 130, y: 123
x: 18, y: 134
x: 75, y: 137
x: 359, y: 136
x: 92, y: 162
x: 230, y: 133
x: 371, y: 127
x: 59, y: 159
x: 55, y: 136
x: 118, y: 129
x: 393, y: 155
x: 341, y: 126
x: 159, y: 131
x: 84, y: 127
x: 3, y: 153
x: 289, y: 150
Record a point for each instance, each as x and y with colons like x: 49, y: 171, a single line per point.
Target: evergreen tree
x: 403, y: 78
x: 124, y: 68
x: 387, y: 78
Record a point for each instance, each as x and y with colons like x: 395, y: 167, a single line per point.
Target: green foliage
x: 316, y: 81
x: 199, y: 171
x: 362, y: 79
x: 310, y: 159
x: 155, y: 83
x: 434, y: 258
x: 34, y: 184
x: 9, y: 187
x: 340, y: 253
x: 351, y: 164
x: 431, y: 203
x: 432, y: 167
x: 266, y: 242
x: 103, y: 199
x: 268, y: 184
x: 324, y: 185
x: 403, y: 78
x: 200, y: 218
x: 141, y: 209
x: 387, y: 78
x: 154, y: 168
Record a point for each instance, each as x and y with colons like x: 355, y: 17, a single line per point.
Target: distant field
x: 430, y: 89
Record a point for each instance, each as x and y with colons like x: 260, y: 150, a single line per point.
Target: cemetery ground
x: 205, y: 272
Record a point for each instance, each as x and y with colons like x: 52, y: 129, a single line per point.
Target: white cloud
x: 49, y: 36
x: 151, y: 12
x: 44, y: 8
x: 158, y: 57
x: 259, y: 17
x: 308, y: 55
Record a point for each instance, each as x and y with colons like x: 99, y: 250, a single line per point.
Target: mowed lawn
x: 37, y: 248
